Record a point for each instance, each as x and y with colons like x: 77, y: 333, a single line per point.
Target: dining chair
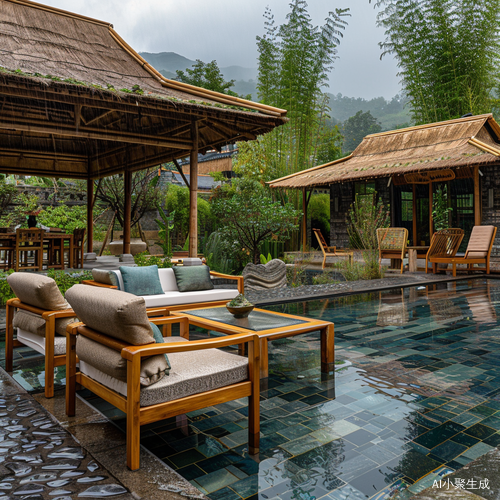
x: 75, y: 250
x: 29, y: 241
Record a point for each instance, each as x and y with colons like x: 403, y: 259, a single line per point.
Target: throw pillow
x: 193, y: 278
x: 159, y: 340
x: 141, y: 280
x: 106, y: 277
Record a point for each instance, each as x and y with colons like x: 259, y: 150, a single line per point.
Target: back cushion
x: 167, y: 279
x: 38, y: 291
x: 115, y: 313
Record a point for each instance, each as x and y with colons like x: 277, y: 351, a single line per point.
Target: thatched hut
x: 77, y: 101
x: 407, y: 168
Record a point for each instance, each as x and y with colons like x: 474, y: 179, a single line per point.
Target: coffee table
x: 268, y: 325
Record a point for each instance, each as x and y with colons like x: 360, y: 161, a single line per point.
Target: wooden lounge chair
x: 392, y: 244
x: 120, y: 362
x: 444, y: 244
x: 39, y: 315
x: 330, y: 251
x: 478, y: 250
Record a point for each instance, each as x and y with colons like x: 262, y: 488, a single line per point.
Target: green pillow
x: 159, y: 340
x: 193, y: 278
x: 141, y: 280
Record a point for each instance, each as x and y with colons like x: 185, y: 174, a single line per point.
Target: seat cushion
x: 141, y: 280
x: 192, y: 373
x: 193, y: 278
x: 111, y: 363
x: 35, y: 324
x: 176, y: 298
x: 37, y: 342
x: 115, y: 313
x: 37, y: 290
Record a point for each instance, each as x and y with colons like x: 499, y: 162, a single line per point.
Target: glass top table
x: 268, y: 325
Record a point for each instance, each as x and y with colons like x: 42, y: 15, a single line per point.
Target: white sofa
x: 172, y: 296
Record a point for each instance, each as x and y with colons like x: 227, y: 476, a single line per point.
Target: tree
x: 207, y: 76
x: 248, y: 217
x: 294, y: 61
x: 144, y: 194
x: 329, y: 145
x: 357, y: 127
x: 448, y: 54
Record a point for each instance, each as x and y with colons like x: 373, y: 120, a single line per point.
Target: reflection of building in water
x: 392, y: 309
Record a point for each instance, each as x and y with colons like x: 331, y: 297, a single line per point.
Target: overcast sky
x: 225, y: 30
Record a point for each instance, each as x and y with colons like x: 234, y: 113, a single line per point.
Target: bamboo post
x: 193, y: 193
x: 430, y: 213
x: 90, y: 221
x: 477, y: 198
x: 304, y: 220
x: 415, y: 216
x: 127, y: 210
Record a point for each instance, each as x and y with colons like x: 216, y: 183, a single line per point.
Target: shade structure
x: 78, y: 102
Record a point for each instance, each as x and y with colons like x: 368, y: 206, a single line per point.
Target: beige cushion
x: 34, y: 323
x: 118, y: 314
x: 111, y: 362
x: 37, y: 290
x: 479, y: 242
x: 104, y: 276
x: 191, y: 373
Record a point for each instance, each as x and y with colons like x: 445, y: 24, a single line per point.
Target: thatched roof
x: 77, y: 100
x: 456, y: 144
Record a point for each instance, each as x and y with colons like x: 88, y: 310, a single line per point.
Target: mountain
x: 167, y: 63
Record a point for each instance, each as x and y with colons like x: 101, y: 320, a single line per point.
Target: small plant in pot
x: 240, y: 307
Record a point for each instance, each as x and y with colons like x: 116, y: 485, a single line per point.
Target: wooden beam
x: 78, y: 115
x: 193, y: 193
x: 102, y: 115
x: 179, y: 168
x: 232, y: 130
x: 304, y: 219
x: 90, y: 221
x: 101, y: 135
x: 477, y: 198
x: 414, y: 200
x: 127, y: 210
x: 431, y: 222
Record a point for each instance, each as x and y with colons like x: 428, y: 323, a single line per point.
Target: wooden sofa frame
x: 51, y: 360
x: 137, y: 415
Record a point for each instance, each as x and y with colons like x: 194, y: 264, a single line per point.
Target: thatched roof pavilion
x: 417, y: 155
x: 77, y: 101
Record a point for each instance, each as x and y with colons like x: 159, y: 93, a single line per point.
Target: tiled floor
x: 420, y: 398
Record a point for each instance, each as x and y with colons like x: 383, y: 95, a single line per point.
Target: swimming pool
x: 419, y: 397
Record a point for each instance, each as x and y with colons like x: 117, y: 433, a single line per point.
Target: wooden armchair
x: 444, y: 244
x: 29, y: 240
x: 120, y: 362
x: 39, y: 315
x: 392, y: 243
x: 330, y: 251
x: 478, y: 250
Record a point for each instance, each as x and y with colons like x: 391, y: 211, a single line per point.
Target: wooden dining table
x: 54, y: 239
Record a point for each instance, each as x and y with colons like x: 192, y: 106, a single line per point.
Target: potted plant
x: 240, y: 307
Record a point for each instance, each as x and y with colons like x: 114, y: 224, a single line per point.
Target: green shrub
x: 144, y: 259
x: 367, y: 270
x: 66, y: 217
x: 325, y: 278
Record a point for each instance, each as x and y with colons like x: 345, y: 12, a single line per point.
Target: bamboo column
x: 431, y: 220
x: 477, y: 198
x: 304, y: 220
x: 90, y: 205
x: 127, y: 177
x: 193, y: 193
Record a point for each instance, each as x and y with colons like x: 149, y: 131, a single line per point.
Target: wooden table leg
x: 412, y: 260
x: 327, y: 350
x: 264, y: 366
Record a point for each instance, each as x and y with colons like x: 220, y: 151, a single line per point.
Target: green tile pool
x: 418, y: 398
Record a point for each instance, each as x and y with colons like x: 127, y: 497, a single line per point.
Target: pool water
x: 418, y: 398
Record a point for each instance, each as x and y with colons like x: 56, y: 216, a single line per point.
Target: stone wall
x: 490, y: 200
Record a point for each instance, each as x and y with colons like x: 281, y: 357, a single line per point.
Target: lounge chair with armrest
x: 120, y: 362
x: 39, y: 314
x: 478, y: 250
x: 444, y: 244
x: 330, y: 251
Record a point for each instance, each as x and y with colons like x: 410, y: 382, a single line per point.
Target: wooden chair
x: 392, y: 243
x: 330, y: 251
x: 478, y: 250
x: 29, y: 240
x: 39, y: 314
x: 7, y: 250
x: 116, y: 351
x: 75, y: 249
x: 444, y: 244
